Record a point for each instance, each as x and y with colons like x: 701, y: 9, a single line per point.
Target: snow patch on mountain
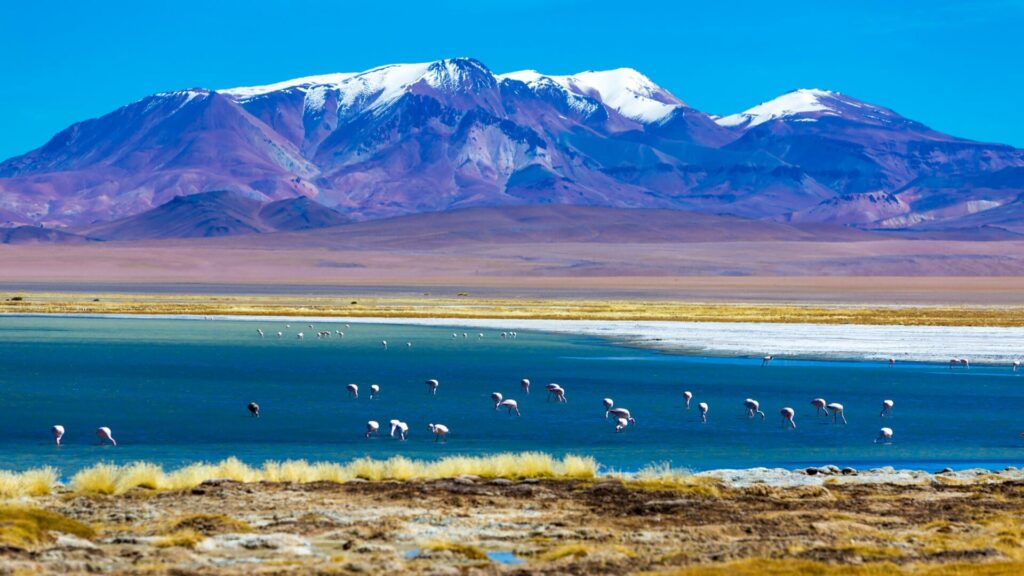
x: 794, y: 103
x: 624, y: 90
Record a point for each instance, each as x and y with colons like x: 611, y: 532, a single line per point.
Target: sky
x: 953, y: 65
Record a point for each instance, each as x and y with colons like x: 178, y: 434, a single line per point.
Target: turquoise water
x: 175, y: 391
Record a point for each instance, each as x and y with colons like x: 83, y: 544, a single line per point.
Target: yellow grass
x: 184, y: 538
x: 37, y: 482
x: 525, y: 308
x: 664, y: 477
x: 467, y: 550
x: 111, y: 479
x: 23, y: 527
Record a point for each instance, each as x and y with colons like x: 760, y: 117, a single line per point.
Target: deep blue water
x: 175, y: 391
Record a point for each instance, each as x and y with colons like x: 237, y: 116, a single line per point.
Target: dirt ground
x: 469, y: 525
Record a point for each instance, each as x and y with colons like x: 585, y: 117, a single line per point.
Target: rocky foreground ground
x: 944, y: 523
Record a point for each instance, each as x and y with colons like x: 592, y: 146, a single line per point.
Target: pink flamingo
x: 512, y: 406
x: 819, y: 406
x: 104, y: 434
x: 608, y: 404
x: 766, y: 360
x: 398, y: 426
x: 688, y: 396
x: 353, y: 390
x: 254, y: 409
x: 703, y: 407
x: 884, y: 435
x: 374, y: 391
x: 496, y: 397
x: 753, y: 408
x: 837, y: 412
x: 440, y: 432
x: 623, y: 414
x: 621, y: 424
x: 886, y: 408
x: 371, y: 428
x: 892, y: 362
x: 524, y: 385
x: 556, y: 391
x: 432, y: 386
x: 787, y: 416
x: 58, y: 433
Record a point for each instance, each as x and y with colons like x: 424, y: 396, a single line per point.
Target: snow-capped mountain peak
x: 624, y: 90
x: 807, y: 105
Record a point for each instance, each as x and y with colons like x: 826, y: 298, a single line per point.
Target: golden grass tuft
x: 36, y: 482
x: 564, y: 551
x: 663, y: 477
x: 110, y: 479
x: 468, y: 550
x: 186, y: 538
x: 208, y: 524
x: 24, y: 527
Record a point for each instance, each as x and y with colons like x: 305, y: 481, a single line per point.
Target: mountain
x: 39, y: 235
x: 220, y: 213
x: 446, y: 135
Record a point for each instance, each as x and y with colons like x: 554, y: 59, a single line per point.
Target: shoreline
x: 997, y: 346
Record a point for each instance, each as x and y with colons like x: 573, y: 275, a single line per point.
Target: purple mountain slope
x: 221, y: 213
x: 411, y: 138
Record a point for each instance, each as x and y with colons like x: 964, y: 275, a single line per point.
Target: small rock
x: 72, y: 541
x: 946, y: 470
x: 832, y: 469
x: 501, y: 482
x: 811, y: 471
x: 848, y: 471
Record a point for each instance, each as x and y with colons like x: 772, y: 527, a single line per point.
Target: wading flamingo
x: 767, y: 360
x: 623, y: 413
x: 353, y: 390
x: 687, y: 396
x: 512, y: 406
x: 432, y: 386
x: 384, y: 343
x: 254, y: 409
x: 374, y: 391
x: 440, y: 432
x: 753, y: 408
x: 371, y: 428
x: 556, y: 391
x: 104, y: 434
x: 703, y: 407
x: 58, y: 433
x: 608, y: 404
x: 496, y: 397
x: 886, y: 408
x: 524, y: 385
x: 621, y: 424
x: 884, y: 435
x: 837, y: 412
x: 300, y: 336
x: 892, y: 362
x: 1016, y: 365
x: 787, y: 416
x: 260, y: 332
x: 819, y: 406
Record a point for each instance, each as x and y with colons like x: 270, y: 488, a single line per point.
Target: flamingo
x: 965, y: 363
x: 557, y: 391
x: 512, y: 406
x: 787, y: 416
x: 260, y: 332
x: 819, y: 406
x: 398, y: 426
x: 524, y: 385
x: 104, y: 434
x: 767, y: 360
x: 496, y: 397
x: 1016, y: 365
x: 753, y: 408
x: 374, y: 391
x: 353, y: 390
x: 280, y: 334
x: 432, y: 386
x: 703, y: 407
x: 440, y: 431
x: 621, y: 424
x: 886, y: 408
x: 58, y: 433
x: 837, y: 412
x: 688, y: 396
x: 884, y: 435
x: 300, y: 336
x: 408, y: 344
x: 608, y: 404
x: 372, y: 427
x: 254, y: 409
x: 892, y: 362
x: 385, y: 343
x: 623, y: 413
x: 953, y: 363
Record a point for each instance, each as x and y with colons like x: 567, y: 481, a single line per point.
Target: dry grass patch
x: 36, y: 482
x: 24, y: 527
x: 467, y: 550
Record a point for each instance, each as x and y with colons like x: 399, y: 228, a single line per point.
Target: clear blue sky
x: 953, y: 65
